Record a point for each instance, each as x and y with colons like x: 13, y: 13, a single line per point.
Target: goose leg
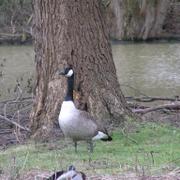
x: 75, y: 146
x: 90, y: 150
x: 90, y: 146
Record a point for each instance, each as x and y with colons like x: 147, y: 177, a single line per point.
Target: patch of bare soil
x: 14, y: 122
x: 164, y: 110
x: 18, y: 111
x: 172, y: 118
x: 14, y: 118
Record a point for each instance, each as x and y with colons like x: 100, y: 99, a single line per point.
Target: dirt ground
x: 10, y: 135
x: 42, y: 175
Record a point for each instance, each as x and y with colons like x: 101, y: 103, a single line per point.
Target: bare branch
x: 165, y: 106
x: 12, y: 101
x: 150, y: 98
x: 15, y: 123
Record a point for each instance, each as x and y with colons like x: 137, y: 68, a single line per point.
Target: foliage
x: 153, y: 3
x: 14, y: 13
x: 149, y: 149
x: 132, y: 6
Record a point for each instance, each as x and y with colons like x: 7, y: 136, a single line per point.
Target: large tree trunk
x: 137, y: 19
x: 73, y: 32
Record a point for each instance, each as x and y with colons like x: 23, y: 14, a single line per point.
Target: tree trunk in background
x: 137, y: 19
x: 73, y: 32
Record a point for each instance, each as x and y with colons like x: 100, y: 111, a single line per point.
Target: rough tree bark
x: 73, y: 32
x: 137, y: 19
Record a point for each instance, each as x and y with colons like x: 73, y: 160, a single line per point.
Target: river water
x: 150, y: 69
x: 16, y: 67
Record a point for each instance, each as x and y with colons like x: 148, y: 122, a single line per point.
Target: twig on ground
x: 16, y: 135
x: 165, y: 106
x: 151, y: 99
x: 24, y: 99
x: 131, y: 139
x: 24, y: 163
x: 15, y: 123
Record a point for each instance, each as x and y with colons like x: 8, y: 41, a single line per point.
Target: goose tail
x: 109, y: 138
x: 102, y: 136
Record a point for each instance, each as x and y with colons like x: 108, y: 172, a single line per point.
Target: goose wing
x: 90, y: 120
x: 101, y: 131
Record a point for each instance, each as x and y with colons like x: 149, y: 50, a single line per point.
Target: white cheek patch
x: 70, y: 73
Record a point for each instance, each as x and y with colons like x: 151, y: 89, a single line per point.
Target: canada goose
x: 77, y: 124
x: 70, y: 174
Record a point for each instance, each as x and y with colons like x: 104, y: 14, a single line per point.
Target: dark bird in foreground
x: 77, y: 124
x: 70, y: 174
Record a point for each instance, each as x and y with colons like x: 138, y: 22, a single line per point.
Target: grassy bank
x: 150, y: 149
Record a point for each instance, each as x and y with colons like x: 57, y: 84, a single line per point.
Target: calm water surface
x: 16, y: 66
x: 151, y: 69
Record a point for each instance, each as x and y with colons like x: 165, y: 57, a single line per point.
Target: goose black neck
x: 70, y: 85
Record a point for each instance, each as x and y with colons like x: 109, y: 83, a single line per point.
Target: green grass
x: 151, y: 148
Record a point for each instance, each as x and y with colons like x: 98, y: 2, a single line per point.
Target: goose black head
x: 71, y: 168
x: 67, y: 72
